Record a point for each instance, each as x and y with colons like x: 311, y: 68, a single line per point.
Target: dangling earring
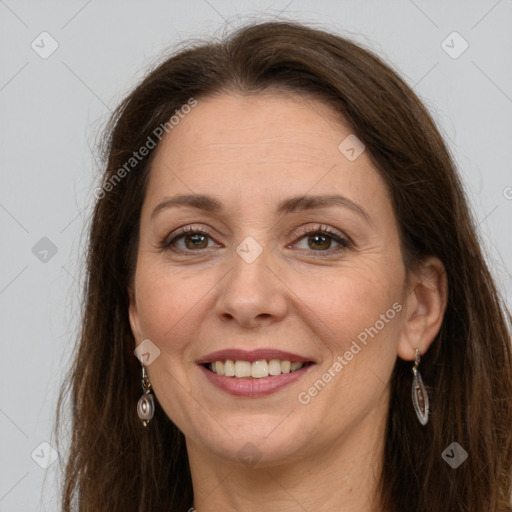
x: 419, y: 393
x: 146, y: 403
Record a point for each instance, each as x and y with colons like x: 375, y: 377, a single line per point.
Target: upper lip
x: 234, y: 354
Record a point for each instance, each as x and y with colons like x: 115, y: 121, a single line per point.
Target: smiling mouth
x: 256, y: 369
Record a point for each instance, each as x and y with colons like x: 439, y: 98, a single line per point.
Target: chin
x: 262, y: 439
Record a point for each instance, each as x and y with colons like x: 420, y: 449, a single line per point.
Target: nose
x: 252, y: 294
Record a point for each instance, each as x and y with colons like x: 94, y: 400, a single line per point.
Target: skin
x: 301, y: 295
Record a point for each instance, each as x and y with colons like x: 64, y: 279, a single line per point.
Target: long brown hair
x: 115, y: 464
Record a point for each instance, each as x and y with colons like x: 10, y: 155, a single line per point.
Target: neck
x: 342, y: 476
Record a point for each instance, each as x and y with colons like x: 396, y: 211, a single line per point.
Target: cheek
x: 360, y: 322
x: 165, y: 302
x: 347, y: 304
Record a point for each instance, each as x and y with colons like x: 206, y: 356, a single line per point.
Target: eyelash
x: 344, y: 243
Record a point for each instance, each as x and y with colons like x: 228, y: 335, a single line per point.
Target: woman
x: 287, y: 307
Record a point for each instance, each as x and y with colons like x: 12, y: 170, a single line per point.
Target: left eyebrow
x: 308, y: 202
x: 289, y: 205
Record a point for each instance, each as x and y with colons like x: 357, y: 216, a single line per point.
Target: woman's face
x: 266, y: 240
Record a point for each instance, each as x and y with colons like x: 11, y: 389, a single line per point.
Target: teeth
x: 274, y: 367
x: 285, y: 366
x: 242, y: 369
x: 229, y: 368
x: 256, y: 370
x: 219, y: 367
x: 259, y: 369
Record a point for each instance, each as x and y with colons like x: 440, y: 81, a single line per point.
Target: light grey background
x: 51, y: 111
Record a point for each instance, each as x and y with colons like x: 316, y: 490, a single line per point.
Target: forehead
x: 256, y: 126
x: 261, y: 145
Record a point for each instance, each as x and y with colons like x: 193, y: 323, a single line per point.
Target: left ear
x: 425, y: 306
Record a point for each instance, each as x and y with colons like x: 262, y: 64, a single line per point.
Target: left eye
x: 321, y: 240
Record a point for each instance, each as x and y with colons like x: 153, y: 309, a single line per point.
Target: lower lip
x: 252, y: 388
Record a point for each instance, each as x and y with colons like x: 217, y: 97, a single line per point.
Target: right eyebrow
x: 199, y: 201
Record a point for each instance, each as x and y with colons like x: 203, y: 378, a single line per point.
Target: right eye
x: 187, y: 240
